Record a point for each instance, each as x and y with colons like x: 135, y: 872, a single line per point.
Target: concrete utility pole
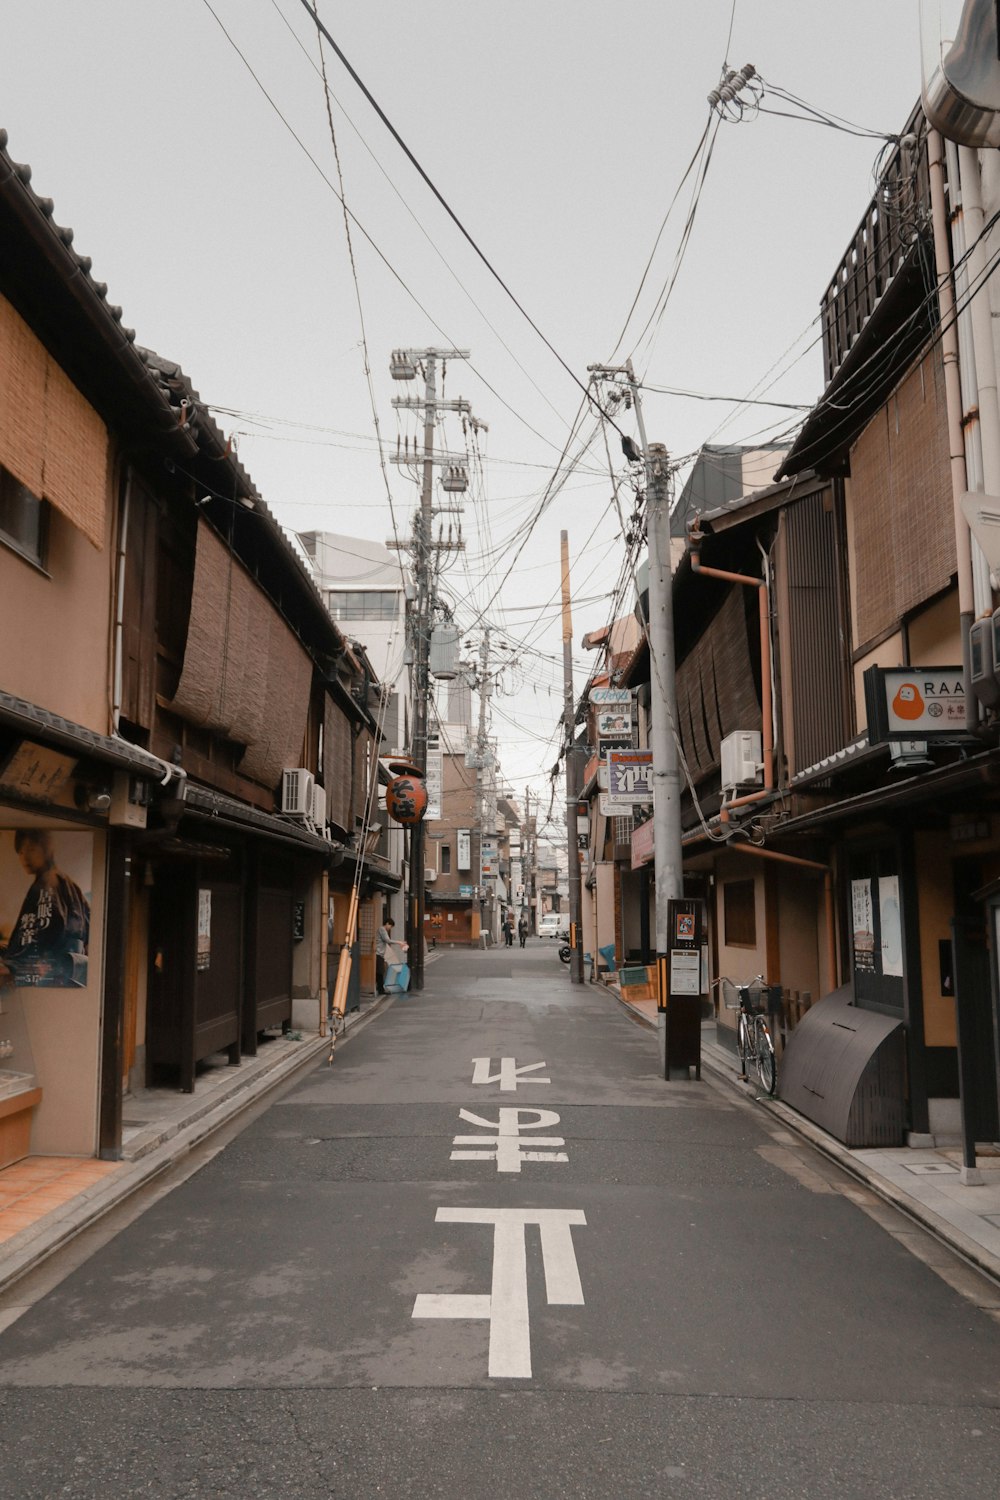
x: 668, y: 854
x: 424, y: 551
x: 573, y: 777
x: 485, y: 685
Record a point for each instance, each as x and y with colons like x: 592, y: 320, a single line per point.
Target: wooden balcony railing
x: 896, y: 221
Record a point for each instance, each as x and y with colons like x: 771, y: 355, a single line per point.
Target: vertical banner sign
x: 891, y: 925
x: 204, y: 948
x: 433, y: 782
x: 863, y: 926
x: 464, y: 839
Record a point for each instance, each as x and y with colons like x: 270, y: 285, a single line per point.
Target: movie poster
x: 46, y: 879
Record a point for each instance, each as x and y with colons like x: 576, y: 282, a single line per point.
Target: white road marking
x: 507, y: 1305
x: 509, y: 1075
x: 507, y: 1146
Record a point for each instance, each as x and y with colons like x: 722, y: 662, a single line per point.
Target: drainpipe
x: 953, y: 397
x: 827, y: 873
x: 766, y: 707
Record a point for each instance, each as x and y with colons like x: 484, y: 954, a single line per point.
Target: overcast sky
x: 558, y: 132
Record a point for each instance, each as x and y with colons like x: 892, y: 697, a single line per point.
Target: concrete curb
x: 26, y: 1251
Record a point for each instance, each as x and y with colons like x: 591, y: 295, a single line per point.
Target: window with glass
x: 445, y: 859
x: 364, y: 604
x: 23, y: 518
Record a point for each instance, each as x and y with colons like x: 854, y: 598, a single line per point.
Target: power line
x: 446, y: 205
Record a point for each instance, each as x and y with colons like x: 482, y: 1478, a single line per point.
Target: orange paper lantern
x: 406, y: 799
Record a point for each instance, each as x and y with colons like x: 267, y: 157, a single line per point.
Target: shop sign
x: 464, y: 840
x: 36, y: 771
x: 204, y: 945
x: 605, y: 695
x: 630, y: 778
x: 612, y: 724
x: 642, y: 844
x: 433, y: 782
x: 915, y: 703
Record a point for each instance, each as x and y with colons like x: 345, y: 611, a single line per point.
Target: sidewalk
x: 45, y: 1201
x: 924, y: 1183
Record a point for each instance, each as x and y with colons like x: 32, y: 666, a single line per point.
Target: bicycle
x: 753, y: 1036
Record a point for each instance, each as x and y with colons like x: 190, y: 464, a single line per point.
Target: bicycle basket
x: 762, y: 998
x: 730, y: 992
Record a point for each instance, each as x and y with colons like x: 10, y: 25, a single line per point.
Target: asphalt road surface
x: 490, y: 1254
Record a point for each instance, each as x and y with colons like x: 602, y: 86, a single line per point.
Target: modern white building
x: 365, y: 587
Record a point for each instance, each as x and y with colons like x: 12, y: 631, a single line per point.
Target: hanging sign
x: 605, y: 695
x: 915, y: 703
x: 464, y: 842
x: 630, y: 777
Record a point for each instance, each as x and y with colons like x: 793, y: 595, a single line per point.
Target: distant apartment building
x: 364, y: 586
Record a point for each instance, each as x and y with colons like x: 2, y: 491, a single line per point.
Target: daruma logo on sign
x: 908, y: 703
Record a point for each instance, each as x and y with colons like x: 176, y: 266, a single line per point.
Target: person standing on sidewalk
x: 383, y: 940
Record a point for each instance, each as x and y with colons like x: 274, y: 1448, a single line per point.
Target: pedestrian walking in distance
x: 383, y: 939
x: 522, y: 931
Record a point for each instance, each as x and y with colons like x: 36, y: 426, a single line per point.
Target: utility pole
x: 668, y: 853
x: 485, y: 686
x: 573, y: 778
x: 424, y: 551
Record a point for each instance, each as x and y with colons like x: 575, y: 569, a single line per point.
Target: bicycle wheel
x: 744, y: 1044
x: 764, y: 1049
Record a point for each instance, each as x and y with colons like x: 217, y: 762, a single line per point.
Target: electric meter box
x: 984, y: 658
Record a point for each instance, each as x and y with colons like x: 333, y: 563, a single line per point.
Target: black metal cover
x: 844, y: 1069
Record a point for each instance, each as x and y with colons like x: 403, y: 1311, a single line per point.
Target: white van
x: 550, y: 924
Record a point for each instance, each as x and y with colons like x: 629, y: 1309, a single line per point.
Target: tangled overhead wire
x: 741, y: 93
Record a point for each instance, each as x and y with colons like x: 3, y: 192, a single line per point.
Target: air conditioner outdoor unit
x: 430, y: 876
x: 741, y: 754
x: 296, y: 791
x: 317, y: 811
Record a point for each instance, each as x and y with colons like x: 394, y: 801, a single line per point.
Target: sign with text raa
x: 915, y: 703
x: 630, y: 778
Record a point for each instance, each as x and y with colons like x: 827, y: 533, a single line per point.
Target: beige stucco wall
x: 801, y: 932
x: 936, y: 634
x: 55, y: 625
x: 888, y: 654
x: 605, y: 903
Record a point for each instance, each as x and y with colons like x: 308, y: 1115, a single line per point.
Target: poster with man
x: 46, y: 878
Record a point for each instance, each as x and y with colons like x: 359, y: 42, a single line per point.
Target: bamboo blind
x: 51, y: 439
x: 245, y: 675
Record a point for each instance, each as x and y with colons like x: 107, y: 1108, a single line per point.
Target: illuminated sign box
x: 915, y: 703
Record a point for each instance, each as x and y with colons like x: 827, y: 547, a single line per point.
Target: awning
x: 208, y: 806
x: 39, y: 724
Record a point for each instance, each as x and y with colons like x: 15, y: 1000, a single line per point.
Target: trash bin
x: 397, y: 979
